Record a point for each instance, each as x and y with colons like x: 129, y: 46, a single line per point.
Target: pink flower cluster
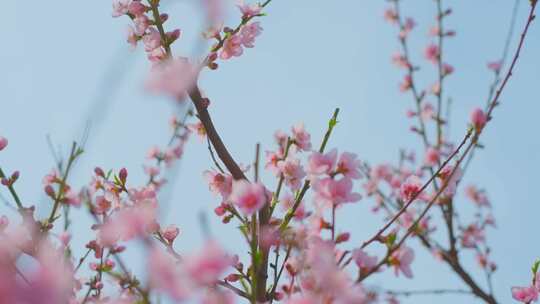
x: 146, y: 28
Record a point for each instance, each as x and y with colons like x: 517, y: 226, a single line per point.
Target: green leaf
x: 535, y: 266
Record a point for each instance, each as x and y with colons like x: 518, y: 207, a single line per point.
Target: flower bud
x: 170, y: 233
x: 123, y: 175
x: 3, y: 143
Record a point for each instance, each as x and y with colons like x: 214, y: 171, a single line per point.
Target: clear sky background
x: 65, y: 62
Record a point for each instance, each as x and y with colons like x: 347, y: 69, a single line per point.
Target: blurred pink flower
x: 478, y: 119
x: 173, y: 77
x: 3, y: 143
x: 401, y: 260
x: 249, y: 32
x: 248, y: 10
x: 410, y: 188
x: 301, y: 137
x: 349, y: 165
x: 319, y: 163
x: 120, y: 7
x: 331, y: 192
x: 248, y: 197
x: 232, y: 47
x: 292, y: 172
x: 525, y: 294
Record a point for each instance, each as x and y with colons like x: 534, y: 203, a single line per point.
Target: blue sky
x: 64, y: 62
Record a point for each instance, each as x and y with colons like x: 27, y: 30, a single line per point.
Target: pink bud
x: 343, y: 237
x: 3, y: 143
x: 15, y: 176
x: 164, y: 17
x: 478, y: 119
x: 170, y: 233
x: 220, y: 211
x: 136, y: 8
x: 49, y: 190
x: 110, y: 263
x: 123, y: 175
x: 173, y: 35
x: 233, y: 277
x: 98, y: 285
x: 99, y: 172
x: 65, y: 238
x: 4, y: 222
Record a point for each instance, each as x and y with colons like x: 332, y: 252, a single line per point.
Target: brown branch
x: 222, y: 152
x: 415, y: 196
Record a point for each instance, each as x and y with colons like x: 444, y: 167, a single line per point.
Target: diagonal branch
x: 222, y: 152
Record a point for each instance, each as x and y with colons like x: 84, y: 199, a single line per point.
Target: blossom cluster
x: 288, y: 214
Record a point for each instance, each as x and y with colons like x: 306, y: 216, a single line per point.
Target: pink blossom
x: 383, y: 171
x: 232, y: 47
x: 206, y: 266
x: 349, y: 165
x: 3, y: 143
x: 364, y: 261
x: 319, y: 163
x: 132, y: 37
x: 170, y: 233
x: 436, y: 88
x: 219, y: 183
x: 401, y: 260
x: 269, y: 236
x: 248, y: 197
x: 450, y: 177
x: 432, y: 53
x: 52, y: 177
x: 215, y: 296
x: 153, y: 153
x: 434, y: 31
x: 51, y: 281
x: 432, y: 157
x: 400, y: 61
x: 248, y: 10
x: 198, y: 128
x: 406, y: 84
x: 173, y: 77
x: 141, y: 24
x: 302, y: 139
x: 478, y: 119
x: 409, y: 25
x: 447, y: 69
x: 428, y: 111
x: 472, y: 235
x: 120, y: 7
x: 136, y: 8
x: 292, y: 172
x: 165, y: 275
x: 128, y: 223
x: 333, y: 192
x: 151, y: 40
x: 272, y: 160
x: 477, y: 196
x: 4, y: 223
x: 525, y: 294
x: 157, y: 55
x: 408, y: 218
x: 249, y: 32
x: 214, y: 10
x: 152, y: 171
x: 495, y: 66
x: 281, y: 138
x: 287, y: 202
x: 410, y: 188
x: 391, y: 15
